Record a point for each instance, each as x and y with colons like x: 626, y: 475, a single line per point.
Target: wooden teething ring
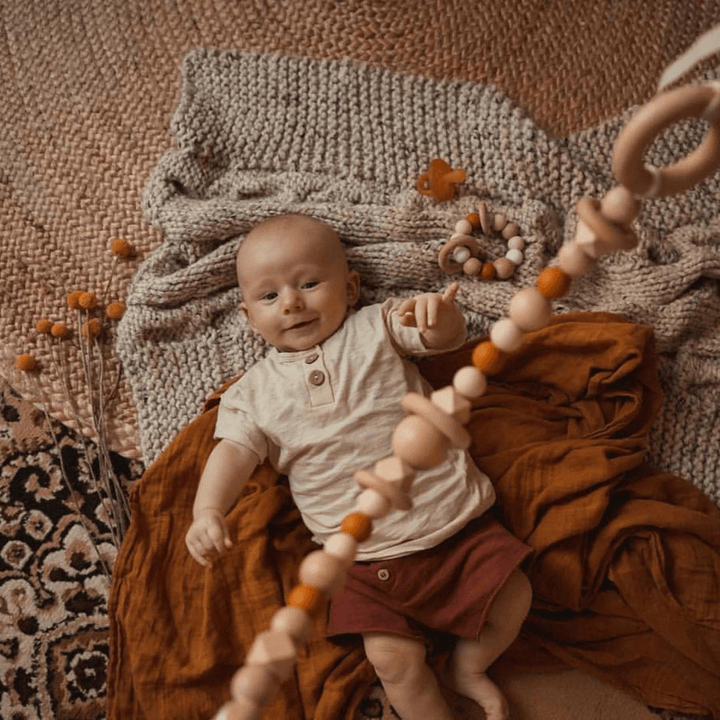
x: 652, y: 119
x: 445, y: 258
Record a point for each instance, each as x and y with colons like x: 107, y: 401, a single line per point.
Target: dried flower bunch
x: 88, y: 339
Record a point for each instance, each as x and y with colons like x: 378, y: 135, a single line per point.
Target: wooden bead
x: 373, y: 504
x: 506, y: 335
x: 463, y: 227
x: 485, y: 221
x: 488, y: 358
x: 474, y: 220
x: 499, y: 222
x: 589, y: 242
x: 323, y: 571
x: 395, y: 471
x: 241, y: 709
x: 516, y: 243
x: 357, y: 525
x: 307, y: 598
x: 472, y: 266
x: 418, y: 442
x: 620, y: 206
x: 452, y: 403
x: 294, y: 621
x: 342, y: 546
x: 529, y: 310
x: 515, y: 256
x: 573, y: 261
x: 446, y: 425
x: 461, y: 254
x: 274, y: 650
x: 488, y: 271
x: 510, y: 230
x: 504, y: 268
x: 254, y: 683
x: 470, y: 382
x: 553, y: 283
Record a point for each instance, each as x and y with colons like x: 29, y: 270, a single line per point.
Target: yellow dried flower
x: 115, y: 310
x: 25, y: 362
x: 60, y: 331
x: 73, y: 299
x: 92, y: 328
x: 122, y: 248
x: 88, y: 300
x: 43, y: 326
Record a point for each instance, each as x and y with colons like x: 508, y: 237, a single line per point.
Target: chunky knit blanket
x: 257, y: 135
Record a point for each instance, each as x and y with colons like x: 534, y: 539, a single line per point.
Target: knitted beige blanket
x: 257, y: 135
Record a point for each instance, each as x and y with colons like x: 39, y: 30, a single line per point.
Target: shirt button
x: 317, y: 377
x: 383, y: 574
x: 311, y: 359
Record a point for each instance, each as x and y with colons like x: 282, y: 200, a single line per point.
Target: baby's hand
x: 425, y: 310
x: 208, y: 536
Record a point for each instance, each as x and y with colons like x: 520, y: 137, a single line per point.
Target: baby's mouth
x: 300, y: 325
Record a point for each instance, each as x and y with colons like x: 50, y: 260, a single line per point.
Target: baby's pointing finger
x: 450, y: 292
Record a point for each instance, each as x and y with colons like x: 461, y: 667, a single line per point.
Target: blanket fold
x: 625, y: 569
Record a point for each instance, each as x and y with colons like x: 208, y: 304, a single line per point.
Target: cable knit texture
x: 258, y: 135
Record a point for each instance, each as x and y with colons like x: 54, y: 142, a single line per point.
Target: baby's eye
x: 269, y: 296
x: 310, y: 284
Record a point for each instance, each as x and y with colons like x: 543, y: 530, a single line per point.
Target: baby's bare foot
x: 480, y: 688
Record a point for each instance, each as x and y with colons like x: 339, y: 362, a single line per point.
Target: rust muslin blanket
x: 625, y: 569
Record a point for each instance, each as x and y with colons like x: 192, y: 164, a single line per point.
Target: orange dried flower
x: 73, y: 299
x: 88, y: 300
x: 115, y: 310
x: 122, y: 248
x: 43, y: 326
x: 60, y: 331
x: 92, y: 328
x: 25, y: 362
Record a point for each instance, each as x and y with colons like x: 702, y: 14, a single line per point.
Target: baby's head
x: 295, y: 281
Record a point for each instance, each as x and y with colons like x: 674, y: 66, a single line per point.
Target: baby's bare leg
x: 411, y: 686
x: 472, y: 658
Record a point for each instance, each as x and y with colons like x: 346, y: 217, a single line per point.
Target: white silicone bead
x: 373, y: 504
x: 529, y: 310
x: 573, y: 261
x: 463, y: 227
x: 324, y: 571
x: 515, y: 256
x: 342, y: 546
x: 506, y: 335
x: 516, y: 243
x: 254, y: 683
x: 294, y: 621
x: 470, y: 382
x: 461, y: 254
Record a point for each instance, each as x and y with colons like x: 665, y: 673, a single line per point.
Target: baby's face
x: 295, y: 283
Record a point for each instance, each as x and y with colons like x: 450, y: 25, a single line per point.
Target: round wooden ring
x: 647, y: 123
x: 397, y: 496
x: 448, y: 426
x: 445, y: 256
x: 616, y: 236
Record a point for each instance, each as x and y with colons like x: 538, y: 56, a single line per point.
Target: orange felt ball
x: 122, y: 248
x: 92, y: 328
x: 473, y: 219
x: 553, y: 283
x: 73, y: 299
x: 488, y: 358
x: 358, y: 526
x: 488, y: 271
x: 60, y: 331
x: 25, y: 362
x: 115, y: 310
x: 88, y: 300
x: 43, y: 326
x: 307, y: 598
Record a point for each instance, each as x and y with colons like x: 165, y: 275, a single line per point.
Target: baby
x: 323, y: 404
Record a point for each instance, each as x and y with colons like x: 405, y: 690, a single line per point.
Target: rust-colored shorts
x: 447, y: 588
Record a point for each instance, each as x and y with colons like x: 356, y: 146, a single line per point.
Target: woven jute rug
x: 88, y: 88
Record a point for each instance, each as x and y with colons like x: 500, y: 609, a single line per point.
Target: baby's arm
x: 226, y: 471
x: 437, y: 317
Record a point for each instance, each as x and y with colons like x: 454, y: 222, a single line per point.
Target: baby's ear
x: 243, y: 308
x: 353, y: 288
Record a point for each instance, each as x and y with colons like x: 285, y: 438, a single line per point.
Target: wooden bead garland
x: 603, y: 227
x: 462, y: 252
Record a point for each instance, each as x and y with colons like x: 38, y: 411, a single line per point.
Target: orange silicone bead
x: 358, y: 526
x: 488, y: 358
x: 474, y: 220
x: 487, y: 272
x: 307, y: 598
x: 553, y: 283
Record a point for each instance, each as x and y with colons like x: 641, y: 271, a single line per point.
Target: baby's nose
x: 292, y: 300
